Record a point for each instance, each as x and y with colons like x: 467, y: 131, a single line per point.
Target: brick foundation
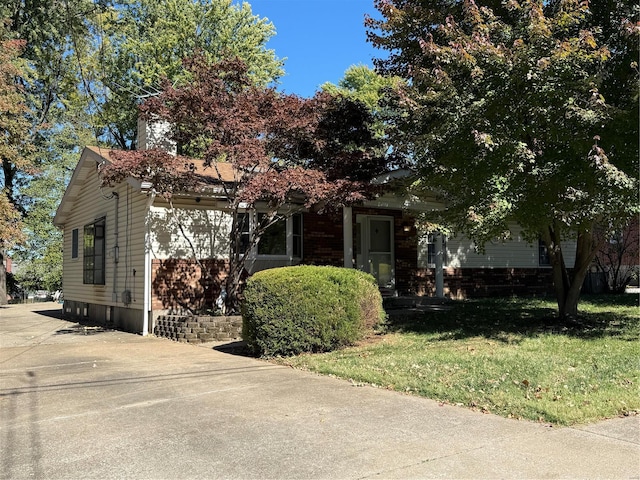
x: 485, y: 282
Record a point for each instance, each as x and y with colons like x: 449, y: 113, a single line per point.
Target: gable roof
x: 90, y: 158
x: 93, y: 156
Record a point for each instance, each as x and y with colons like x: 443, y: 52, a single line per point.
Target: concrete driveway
x: 86, y: 403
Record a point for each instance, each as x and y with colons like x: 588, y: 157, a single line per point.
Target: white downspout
x: 147, y: 267
x: 347, y: 228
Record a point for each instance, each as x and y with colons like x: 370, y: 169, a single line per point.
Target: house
x: 130, y: 256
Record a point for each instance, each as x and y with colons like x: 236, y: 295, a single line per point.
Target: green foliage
x: 375, y: 91
x: 525, y: 112
x: 42, y: 273
x: 508, y: 357
x: 363, y: 84
x: 144, y: 42
x: 291, y: 310
x: 78, y: 80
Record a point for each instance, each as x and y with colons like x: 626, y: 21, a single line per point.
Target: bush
x: 291, y: 310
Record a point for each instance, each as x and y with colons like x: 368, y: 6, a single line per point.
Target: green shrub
x: 291, y: 310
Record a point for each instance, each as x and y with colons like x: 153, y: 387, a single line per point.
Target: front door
x: 374, y: 249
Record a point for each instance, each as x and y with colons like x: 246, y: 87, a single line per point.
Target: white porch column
x: 347, y: 229
x: 439, y: 266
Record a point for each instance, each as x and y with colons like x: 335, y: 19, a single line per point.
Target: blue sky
x: 319, y: 38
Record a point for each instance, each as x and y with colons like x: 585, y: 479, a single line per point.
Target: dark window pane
x: 274, y: 240
x: 94, y: 253
x: 74, y: 243
x: 543, y: 254
x: 243, y: 229
x: 297, y: 236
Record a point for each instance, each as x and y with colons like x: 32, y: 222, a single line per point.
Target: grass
x: 510, y: 357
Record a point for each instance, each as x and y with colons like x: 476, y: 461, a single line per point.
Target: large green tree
x: 13, y: 146
x: 53, y: 33
x: 363, y: 84
x: 520, y: 111
x: 143, y: 42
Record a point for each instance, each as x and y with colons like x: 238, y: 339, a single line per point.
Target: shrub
x: 291, y: 310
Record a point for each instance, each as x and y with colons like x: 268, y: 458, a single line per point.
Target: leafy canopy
x: 14, y: 146
x: 519, y: 111
x: 143, y: 42
x: 264, y: 149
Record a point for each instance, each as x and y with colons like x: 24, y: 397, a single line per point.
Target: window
x: 94, y: 253
x: 296, y: 222
x: 283, y: 238
x: 543, y: 254
x: 74, y: 243
x: 274, y: 238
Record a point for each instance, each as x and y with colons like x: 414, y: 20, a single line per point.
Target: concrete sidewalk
x: 87, y: 403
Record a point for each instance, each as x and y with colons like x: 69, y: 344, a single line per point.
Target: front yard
x: 509, y: 356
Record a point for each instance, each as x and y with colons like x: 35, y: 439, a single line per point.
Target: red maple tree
x: 283, y: 149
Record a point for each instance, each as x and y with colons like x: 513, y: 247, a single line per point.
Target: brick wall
x: 178, y: 285
x: 485, y: 282
x: 322, y: 242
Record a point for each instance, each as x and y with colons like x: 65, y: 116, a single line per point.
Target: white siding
x: 513, y: 253
x: 205, y: 231
x: 128, y: 272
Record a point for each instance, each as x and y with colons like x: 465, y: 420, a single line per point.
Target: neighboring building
x: 129, y: 257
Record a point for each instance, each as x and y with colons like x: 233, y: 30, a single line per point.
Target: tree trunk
x: 568, y: 287
x: 232, y: 287
x: 3, y: 279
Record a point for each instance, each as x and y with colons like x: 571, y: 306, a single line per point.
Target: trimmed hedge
x: 290, y: 310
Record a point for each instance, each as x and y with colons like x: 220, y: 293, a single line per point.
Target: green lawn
x: 510, y: 357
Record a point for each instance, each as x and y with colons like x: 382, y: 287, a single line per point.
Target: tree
x: 520, y: 111
x: 286, y: 152
x: 363, y: 84
x: 53, y: 33
x: 14, y: 147
x: 143, y: 42
x: 618, y: 256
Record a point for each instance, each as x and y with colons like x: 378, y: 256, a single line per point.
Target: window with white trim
x: 427, y: 250
x: 274, y: 238
x: 282, y: 239
x: 94, y: 253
